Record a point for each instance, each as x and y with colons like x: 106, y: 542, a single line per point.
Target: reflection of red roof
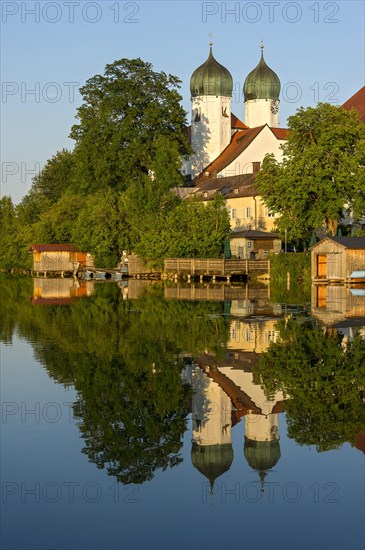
x: 357, y: 101
x: 54, y: 301
x: 236, y: 123
x: 52, y: 248
x: 360, y: 442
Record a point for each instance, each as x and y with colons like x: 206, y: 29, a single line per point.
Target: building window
x: 196, y: 115
x: 269, y: 213
x: 270, y: 336
x: 232, y: 213
x: 247, y: 212
x: 37, y: 256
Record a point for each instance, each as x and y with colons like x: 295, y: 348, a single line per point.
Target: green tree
x: 15, y: 237
x: 322, y: 174
x: 55, y: 177
x: 130, y: 116
x: 56, y: 223
x: 323, y: 378
x: 100, y: 227
x: 189, y: 229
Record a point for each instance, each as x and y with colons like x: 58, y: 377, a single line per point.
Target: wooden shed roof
x: 352, y: 243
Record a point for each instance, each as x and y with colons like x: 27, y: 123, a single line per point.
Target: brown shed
x: 253, y: 243
x: 59, y: 257
x: 335, y: 258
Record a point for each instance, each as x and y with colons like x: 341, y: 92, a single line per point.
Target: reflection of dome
x: 262, y: 82
x: 211, y: 78
x: 262, y: 455
x: 212, y: 460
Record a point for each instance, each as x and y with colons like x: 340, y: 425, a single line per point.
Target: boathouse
x: 253, y: 244
x: 336, y: 258
x: 59, y: 258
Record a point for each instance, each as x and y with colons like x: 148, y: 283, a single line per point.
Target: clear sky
x: 50, y: 48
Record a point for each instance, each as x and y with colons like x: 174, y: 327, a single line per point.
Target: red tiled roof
x: 53, y: 248
x: 236, y: 123
x: 357, y: 101
x: 280, y: 133
x: 239, y: 142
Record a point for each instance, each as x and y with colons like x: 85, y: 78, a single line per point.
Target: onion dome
x: 262, y: 82
x: 211, y: 78
x: 212, y: 460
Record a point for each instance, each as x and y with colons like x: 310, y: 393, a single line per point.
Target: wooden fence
x: 215, y: 267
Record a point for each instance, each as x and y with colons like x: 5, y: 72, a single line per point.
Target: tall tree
x: 128, y: 115
x: 322, y: 174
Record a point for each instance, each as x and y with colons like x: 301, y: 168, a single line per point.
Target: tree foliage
x: 323, y: 378
x: 55, y: 177
x: 130, y: 118
x: 322, y: 174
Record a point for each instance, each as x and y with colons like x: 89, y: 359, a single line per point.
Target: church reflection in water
x: 226, y: 393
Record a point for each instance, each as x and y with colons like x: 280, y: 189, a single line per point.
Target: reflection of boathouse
x: 338, y: 306
x: 60, y: 291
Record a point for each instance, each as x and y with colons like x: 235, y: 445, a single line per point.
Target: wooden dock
x: 215, y: 267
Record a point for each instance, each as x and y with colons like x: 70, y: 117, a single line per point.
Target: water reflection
x: 143, y: 356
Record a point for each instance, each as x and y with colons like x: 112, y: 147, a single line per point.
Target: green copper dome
x: 212, y: 460
x: 211, y: 78
x: 262, y: 82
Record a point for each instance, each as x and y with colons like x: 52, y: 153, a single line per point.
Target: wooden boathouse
x: 334, y: 259
x: 59, y: 258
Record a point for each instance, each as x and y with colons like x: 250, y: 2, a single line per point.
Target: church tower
x: 261, y: 92
x: 211, y: 87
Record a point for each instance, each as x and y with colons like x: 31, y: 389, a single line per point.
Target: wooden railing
x: 202, y: 266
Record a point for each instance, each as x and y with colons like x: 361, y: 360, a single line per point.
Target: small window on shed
x: 37, y: 256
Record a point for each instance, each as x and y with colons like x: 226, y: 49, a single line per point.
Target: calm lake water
x: 144, y: 416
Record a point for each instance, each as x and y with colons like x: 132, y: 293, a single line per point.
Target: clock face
x: 274, y: 106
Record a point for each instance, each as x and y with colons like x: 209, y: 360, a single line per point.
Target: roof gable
x: 239, y: 142
x: 352, y: 243
x: 357, y: 101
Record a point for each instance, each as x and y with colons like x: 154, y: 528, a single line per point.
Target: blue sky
x: 53, y: 47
